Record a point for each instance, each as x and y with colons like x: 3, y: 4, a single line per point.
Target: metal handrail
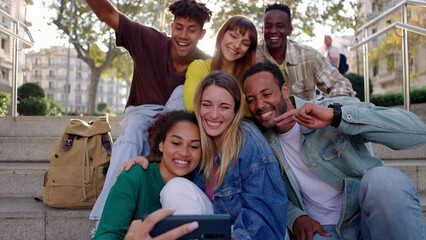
x: 389, y: 12
x: 405, y: 58
x: 27, y: 44
x: 400, y: 25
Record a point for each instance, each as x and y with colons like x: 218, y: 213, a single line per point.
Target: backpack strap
x: 68, y: 142
x: 106, y: 142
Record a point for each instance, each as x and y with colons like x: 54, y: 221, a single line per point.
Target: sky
x: 46, y: 35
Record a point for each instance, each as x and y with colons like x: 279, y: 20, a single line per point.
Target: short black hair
x: 266, y: 67
x: 281, y: 7
x: 158, y: 130
x: 191, y: 9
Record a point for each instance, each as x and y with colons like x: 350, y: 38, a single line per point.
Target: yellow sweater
x: 196, y: 72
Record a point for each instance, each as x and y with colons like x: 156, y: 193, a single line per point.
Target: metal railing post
x: 15, y: 71
x: 366, y: 68
x: 405, y: 61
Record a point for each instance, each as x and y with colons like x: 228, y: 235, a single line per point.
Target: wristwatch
x: 337, y: 114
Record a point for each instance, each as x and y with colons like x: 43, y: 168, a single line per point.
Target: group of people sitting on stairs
x: 241, y: 133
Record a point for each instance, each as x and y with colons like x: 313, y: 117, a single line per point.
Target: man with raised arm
x: 160, y: 64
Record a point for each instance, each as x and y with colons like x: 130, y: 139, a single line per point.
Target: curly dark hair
x: 191, y: 9
x: 162, y: 125
x: 266, y: 67
x: 281, y: 7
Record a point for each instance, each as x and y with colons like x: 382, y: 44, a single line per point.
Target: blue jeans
x: 390, y: 209
x: 133, y: 141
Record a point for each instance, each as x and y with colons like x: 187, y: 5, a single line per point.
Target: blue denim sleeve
x: 264, y: 201
x: 393, y: 127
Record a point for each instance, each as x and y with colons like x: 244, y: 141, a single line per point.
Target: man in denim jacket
x: 336, y: 188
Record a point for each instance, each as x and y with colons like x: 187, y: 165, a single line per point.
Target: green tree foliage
x: 357, y: 82
x: 4, y: 103
x: 33, y: 106
x: 28, y: 90
x: 102, y: 107
x: 32, y: 102
x: 95, y: 42
x: 88, y: 36
x: 306, y: 14
x: 391, y: 43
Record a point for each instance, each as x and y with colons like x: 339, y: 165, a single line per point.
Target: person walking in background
x: 330, y: 52
x: 160, y: 64
x: 336, y: 188
x: 305, y: 69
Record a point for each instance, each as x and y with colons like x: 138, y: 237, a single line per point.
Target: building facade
x: 16, y: 9
x: 385, y: 52
x: 66, y: 79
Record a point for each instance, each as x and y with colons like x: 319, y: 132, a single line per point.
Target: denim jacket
x: 253, y: 192
x: 339, y: 155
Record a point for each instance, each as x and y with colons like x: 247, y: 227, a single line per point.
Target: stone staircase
x: 25, y: 145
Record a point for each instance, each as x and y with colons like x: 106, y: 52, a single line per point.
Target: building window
x: 37, y: 73
x: 51, y: 61
x: 3, y: 43
x: 38, y: 61
x: 390, y: 61
x: 78, y: 99
x: 376, y: 69
x: 78, y: 75
x: 51, y: 85
x: 51, y: 73
x: 4, y: 74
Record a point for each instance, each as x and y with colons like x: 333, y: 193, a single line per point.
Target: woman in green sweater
x: 175, y: 137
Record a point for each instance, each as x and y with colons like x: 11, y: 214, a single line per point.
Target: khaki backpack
x: 78, y: 164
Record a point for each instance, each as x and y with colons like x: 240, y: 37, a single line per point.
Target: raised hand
x: 130, y: 163
x: 310, y: 115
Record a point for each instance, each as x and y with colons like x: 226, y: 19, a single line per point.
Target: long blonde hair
x: 232, y: 137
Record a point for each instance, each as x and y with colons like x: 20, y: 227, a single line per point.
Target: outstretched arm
x: 106, y: 12
x: 310, y: 115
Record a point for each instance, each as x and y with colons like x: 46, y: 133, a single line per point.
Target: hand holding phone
x: 211, y: 227
x: 141, y: 229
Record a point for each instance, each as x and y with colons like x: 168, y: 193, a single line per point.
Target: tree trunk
x: 93, y: 90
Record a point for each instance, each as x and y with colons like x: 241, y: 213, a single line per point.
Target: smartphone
x: 212, y: 227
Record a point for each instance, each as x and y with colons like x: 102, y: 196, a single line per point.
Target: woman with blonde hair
x: 239, y: 171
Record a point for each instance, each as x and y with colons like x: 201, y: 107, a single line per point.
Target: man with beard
x: 336, y: 188
x: 160, y: 64
x: 305, y: 68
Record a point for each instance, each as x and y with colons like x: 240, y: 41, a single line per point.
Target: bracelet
x: 337, y: 114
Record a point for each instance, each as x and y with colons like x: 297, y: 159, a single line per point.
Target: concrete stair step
x: 22, y: 179
x: 25, y: 179
x: 26, y: 218
x: 43, y: 126
x: 386, y: 153
x: 25, y: 149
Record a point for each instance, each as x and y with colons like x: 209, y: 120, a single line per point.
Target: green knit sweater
x: 135, y: 193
